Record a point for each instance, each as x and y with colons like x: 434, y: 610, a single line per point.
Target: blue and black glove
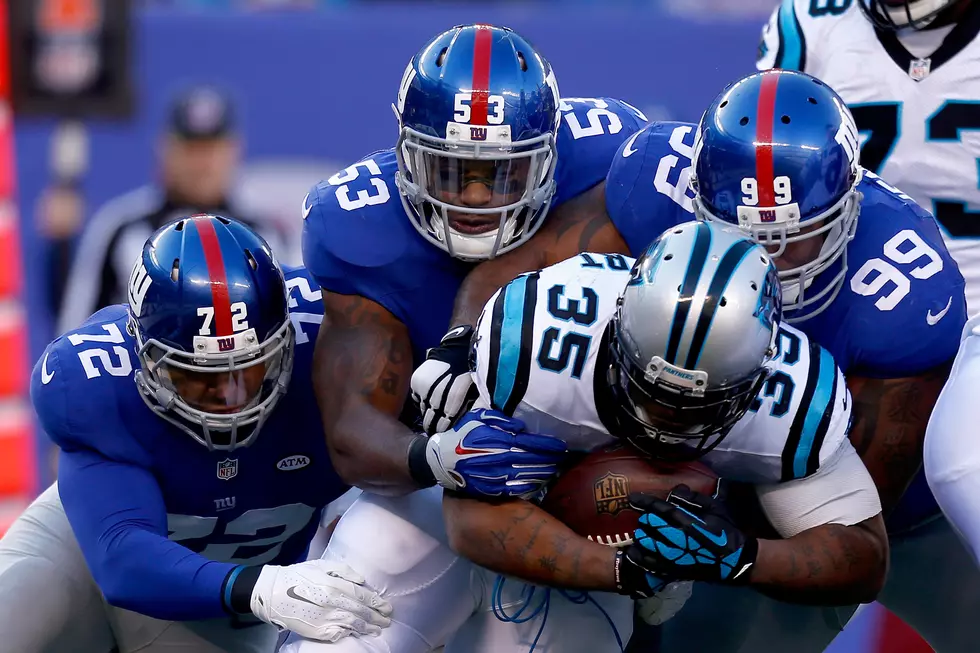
x: 690, y: 536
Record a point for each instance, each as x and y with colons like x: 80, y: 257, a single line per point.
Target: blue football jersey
x: 902, y: 306
x: 357, y: 239
x: 122, y: 465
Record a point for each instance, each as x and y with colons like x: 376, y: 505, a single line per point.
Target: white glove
x: 663, y: 605
x: 322, y: 600
x: 442, y: 385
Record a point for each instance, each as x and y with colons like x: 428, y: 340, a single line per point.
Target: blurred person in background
x: 198, y: 158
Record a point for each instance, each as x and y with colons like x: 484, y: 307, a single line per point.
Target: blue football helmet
x: 777, y: 154
x: 478, y: 117
x: 899, y: 14
x: 208, y: 308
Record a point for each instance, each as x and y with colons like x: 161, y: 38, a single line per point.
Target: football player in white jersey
x: 718, y: 379
x: 910, y: 72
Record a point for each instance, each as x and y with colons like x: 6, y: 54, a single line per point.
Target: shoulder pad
x: 902, y: 282
x: 83, y: 382
x: 793, y: 25
x: 647, y: 187
x: 590, y: 132
x: 357, y: 239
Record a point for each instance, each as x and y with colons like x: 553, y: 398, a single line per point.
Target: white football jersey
x: 916, y: 101
x: 540, y: 337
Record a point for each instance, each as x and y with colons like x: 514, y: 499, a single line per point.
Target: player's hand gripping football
x: 322, y: 600
x: 488, y: 453
x: 442, y: 386
x: 690, y: 536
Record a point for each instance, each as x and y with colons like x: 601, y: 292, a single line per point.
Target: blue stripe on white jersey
x: 817, y: 413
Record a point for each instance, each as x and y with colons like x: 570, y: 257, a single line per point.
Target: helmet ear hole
x: 520, y: 58
x: 441, y: 58
x: 251, y: 260
x: 175, y: 270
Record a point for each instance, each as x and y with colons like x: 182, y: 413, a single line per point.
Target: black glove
x: 443, y: 386
x: 690, y: 536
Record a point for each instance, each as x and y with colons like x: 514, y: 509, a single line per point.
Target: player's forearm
x: 890, y: 419
x: 149, y: 574
x: 370, y: 450
x: 827, y: 565
x: 519, y: 539
x: 362, y: 368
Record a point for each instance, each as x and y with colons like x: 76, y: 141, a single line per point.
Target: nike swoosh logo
x: 932, y: 320
x: 628, y: 148
x: 291, y: 593
x: 455, y: 332
x: 306, y: 209
x: 720, y: 540
x: 45, y: 375
x: 463, y: 451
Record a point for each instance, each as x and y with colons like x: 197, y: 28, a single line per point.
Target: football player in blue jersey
x: 487, y: 153
x: 776, y: 154
x: 192, y: 473
x: 486, y: 150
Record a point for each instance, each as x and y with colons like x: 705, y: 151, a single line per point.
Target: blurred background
x: 117, y: 114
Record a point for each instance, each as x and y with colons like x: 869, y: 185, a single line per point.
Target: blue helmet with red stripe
x: 208, y: 308
x: 478, y: 117
x: 777, y: 154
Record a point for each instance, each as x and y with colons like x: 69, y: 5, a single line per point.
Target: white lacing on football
x: 617, y: 540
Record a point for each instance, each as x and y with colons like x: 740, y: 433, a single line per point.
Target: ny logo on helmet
x: 767, y: 215
x: 139, y: 284
x: 226, y: 344
x: 847, y: 134
x: 478, y: 133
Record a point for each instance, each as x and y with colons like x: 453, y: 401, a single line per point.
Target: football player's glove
x: 690, y: 536
x: 488, y: 453
x: 443, y: 386
x: 322, y: 600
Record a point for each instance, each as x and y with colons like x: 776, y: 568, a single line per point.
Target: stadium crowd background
x: 311, y: 82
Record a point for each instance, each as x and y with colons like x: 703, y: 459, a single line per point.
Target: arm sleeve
x: 841, y: 492
x: 117, y: 513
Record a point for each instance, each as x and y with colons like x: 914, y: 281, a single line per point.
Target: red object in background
x: 10, y: 262
x: 17, y: 469
x: 895, y: 636
x: 14, y: 371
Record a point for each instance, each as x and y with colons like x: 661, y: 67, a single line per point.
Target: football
x: 591, y: 497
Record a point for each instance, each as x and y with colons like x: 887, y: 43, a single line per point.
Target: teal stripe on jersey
x: 792, y: 45
x: 511, y: 329
x: 823, y: 396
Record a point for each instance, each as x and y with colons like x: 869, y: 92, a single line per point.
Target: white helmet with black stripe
x: 693, y: 338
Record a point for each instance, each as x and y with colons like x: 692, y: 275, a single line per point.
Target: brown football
x: 591, y: 497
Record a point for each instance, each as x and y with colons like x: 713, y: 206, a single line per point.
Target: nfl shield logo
x: 919, y: 69
x: 228, y: 469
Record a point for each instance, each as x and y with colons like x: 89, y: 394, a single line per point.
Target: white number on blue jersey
x: 680, y: 190
x: 905, y: 248
x: 88, y: 357
x: 298, y: 318
x: 363, y: 197
x: 291, y: 519
x: 594, y: 117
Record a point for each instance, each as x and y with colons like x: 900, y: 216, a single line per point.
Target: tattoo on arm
x: 890, y: 419
x: 826, y: 565
x: 578, y: 225
x: 520, y: 539
x: 361, y: 374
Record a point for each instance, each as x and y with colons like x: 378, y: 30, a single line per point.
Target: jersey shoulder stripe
x: 511, y: 340
x: 801, y: 455
x: 792, y: 42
